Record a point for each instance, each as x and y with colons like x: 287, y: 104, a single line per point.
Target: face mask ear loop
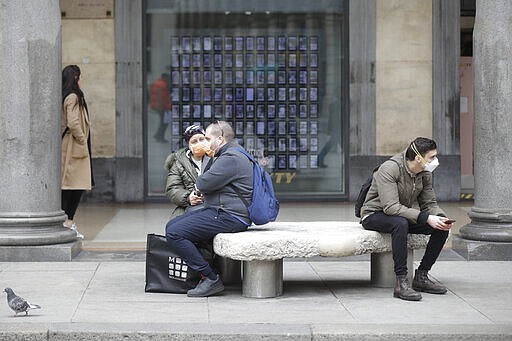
x: 413, y: 146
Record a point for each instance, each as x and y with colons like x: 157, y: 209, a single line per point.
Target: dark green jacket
x: 394, y: 191
x: 181, y: 178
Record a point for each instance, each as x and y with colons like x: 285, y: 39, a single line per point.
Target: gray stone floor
x: 100, y: 294
x: 321, y: 297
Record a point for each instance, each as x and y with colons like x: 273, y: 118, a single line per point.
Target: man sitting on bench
x: 400, y: 182
x: 229, y: 173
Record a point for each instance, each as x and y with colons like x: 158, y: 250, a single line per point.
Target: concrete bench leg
x: 382, y: 269
x: 230, y: 270
x: 262, y: 279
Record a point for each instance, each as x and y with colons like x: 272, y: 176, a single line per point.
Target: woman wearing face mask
x: 183, y: 167
x: 400, y: 201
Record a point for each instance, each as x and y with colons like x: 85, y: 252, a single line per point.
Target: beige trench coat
x: 76, y: 161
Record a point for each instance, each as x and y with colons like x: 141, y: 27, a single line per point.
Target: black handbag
x: 166, y: 271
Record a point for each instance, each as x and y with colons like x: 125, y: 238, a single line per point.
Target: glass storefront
x: 276, y: 70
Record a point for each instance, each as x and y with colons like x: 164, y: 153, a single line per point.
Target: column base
x: 262, y: 279
x: 40, y: 228
x: 482, y: 250
x: 490, y: 225
x: 230, y: 270
x: 41, y: 253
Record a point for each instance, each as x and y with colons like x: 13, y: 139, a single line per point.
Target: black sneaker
x: 207, y: 287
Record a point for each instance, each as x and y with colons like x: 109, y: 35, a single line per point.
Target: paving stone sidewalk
x: 324, y: 300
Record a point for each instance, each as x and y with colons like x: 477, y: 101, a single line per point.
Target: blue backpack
x: 264, y: 206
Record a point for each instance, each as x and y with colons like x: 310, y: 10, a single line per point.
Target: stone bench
x: 262, y: 249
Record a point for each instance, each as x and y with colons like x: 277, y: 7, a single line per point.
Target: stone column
x: 489, y: 235
x: 30, y: 109
x: 129, y: 164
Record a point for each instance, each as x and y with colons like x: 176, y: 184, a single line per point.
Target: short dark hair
x: 422, y: 145
x: 222, y: 128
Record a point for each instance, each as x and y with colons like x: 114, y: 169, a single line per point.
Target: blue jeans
x: 399, y: 227
x: 199, y: 226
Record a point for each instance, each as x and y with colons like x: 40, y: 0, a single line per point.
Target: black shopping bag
x: 166, y: 271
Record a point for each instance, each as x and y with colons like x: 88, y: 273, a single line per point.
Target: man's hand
x: 194, y: 199
x: 439, y: 223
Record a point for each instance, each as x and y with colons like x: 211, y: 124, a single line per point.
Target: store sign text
x: 286, y: 177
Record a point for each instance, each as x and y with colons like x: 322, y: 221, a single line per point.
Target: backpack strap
x: 377, y: 167
x: 240, y: 196
x: 249, y: 156
x: 399, y: 166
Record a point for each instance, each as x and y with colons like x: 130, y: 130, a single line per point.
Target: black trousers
x: 399, y: 227
x: 70, y: 198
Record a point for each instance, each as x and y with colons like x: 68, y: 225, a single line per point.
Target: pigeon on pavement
x: 19, y: 304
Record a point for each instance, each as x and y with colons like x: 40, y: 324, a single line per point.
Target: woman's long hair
x: 70, y: 77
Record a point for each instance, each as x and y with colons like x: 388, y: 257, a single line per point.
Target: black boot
x: 403, y: 291
x: 421, y: 282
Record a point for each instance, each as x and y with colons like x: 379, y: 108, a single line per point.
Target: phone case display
x: 266, y: 86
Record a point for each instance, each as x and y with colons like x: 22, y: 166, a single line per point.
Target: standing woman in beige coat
x: 76, y: 170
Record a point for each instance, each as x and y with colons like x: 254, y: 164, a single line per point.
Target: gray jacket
x: 229, y: 169
x: 394, y: 191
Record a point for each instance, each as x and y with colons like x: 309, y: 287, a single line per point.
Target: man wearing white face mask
x: 397, y: 185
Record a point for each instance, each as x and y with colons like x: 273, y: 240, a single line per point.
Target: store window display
x: 272, y: 74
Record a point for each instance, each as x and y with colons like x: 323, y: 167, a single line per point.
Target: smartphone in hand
x: 449, y: 221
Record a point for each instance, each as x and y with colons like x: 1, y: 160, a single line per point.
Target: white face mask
x: 430, y: 166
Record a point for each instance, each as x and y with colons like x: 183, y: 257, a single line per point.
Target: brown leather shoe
x: 403, y: 291
x: 421, y: 282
